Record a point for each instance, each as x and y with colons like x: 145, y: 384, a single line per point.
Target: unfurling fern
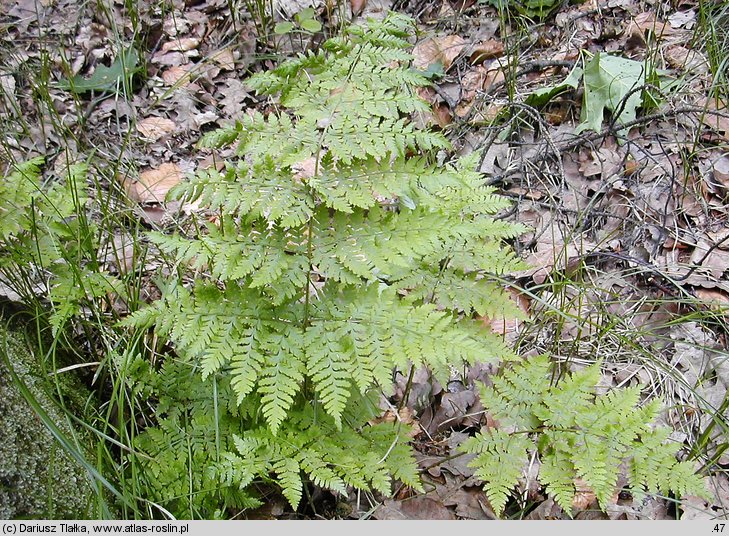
x: 577, y: 435
x: 340, y: 250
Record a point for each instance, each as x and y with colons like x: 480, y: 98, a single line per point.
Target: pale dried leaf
x: 182, y: 44
x: 584, y: 496
x: 357, y: 6
x: 684, y: 59
x: 509, y: 327
x: 224, y: 58
x: 487, y: 50
x: 176, y: 75
x: 443, y: 50
x: 154, y: 128
x: 721, y: 170
x: 647, y: 22
x: 153, y: 184
x: 417, y: 507
x: 716, y: 261
x: 169, y: 58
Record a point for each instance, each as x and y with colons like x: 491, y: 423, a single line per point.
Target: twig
x: 593, y: 136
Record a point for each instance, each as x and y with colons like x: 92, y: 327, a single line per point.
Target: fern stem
x: 407, y: 389
x: 309, y: 256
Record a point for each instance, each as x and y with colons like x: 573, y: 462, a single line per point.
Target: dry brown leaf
x: 477, y: 79
x: 181, y: 45
x: 605, y: 161
x: 719, y: 123
x: 714, y: 299
x: 684, y: 59
x: 487, y: 50
x: 584, y: 495
x: 551, y: 255
x: 442, y: 114
x: 721, y: 171
x: 509, y: 327
x: 305, y: 169
x: 169, y: 58
x: 153, y: 184
x: 647, y: 22
x: 154, y: 128
x: 357, y: 6
x: 438, y: 49
x: 224, y: 58
x: 714, y: 509
x: 486, y: 116
x: 176, y: 75
x: 716, y: 261
x: 418, y: 507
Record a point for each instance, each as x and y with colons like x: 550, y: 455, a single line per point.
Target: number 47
x: 719, y: 527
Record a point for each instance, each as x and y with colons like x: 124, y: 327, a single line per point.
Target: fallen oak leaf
x: 584, y: 496
x: 718, y: 121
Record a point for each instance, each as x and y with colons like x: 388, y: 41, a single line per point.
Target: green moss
x: 38, y: 478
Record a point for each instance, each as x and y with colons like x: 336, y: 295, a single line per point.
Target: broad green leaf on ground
x: 542, y: 96
x: 539, y: 9
x: 608, y: 82
x: 106, y: 78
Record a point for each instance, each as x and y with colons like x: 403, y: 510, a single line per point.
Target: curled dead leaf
x: 717, y: 300
x: 715, y: 121
x: 584, y: 496
x: 182, y: 44
x: 684, y: 59
x: 478, y: 79
x: 357, y: 6
x: 305, y: 169
x: 405, y: 415
x: 509, y: 327
x: 487, y: 50
x: 647, y: 23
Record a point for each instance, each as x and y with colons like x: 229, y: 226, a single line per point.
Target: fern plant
x: 48, y: 245
x: 336, y: 249
x: 577, y: 435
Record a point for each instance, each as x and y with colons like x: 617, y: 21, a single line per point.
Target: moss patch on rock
x: 38, y: 478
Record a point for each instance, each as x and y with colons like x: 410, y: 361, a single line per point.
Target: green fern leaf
x: 500, y: 460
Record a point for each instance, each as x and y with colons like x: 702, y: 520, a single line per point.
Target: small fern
x: 577, y: 435
x: 48, y: 245
x: 340, y: 250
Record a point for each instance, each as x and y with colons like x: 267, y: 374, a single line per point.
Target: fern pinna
x: 339, y: 250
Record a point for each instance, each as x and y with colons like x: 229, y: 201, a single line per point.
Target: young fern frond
x: 45, y: 235
x: 577, y: 435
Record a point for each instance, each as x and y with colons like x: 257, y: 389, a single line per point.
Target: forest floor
x: 629, y: 239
